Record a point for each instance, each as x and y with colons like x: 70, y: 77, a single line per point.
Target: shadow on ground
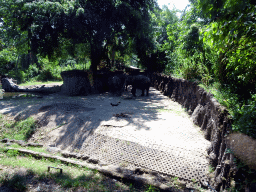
x: 67, y: 121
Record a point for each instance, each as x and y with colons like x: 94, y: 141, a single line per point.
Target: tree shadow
x: 73, y: 119
x: 26, y: 179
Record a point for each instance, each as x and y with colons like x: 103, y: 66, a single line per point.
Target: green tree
x: 49, y: 25
x: 164, y: 22
x: 234, y: 40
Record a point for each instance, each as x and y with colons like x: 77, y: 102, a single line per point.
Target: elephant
x: 128, y: 81
x: 117, y: 84
x: 138, y: 82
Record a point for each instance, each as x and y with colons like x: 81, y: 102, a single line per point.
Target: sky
x: 179, y: 4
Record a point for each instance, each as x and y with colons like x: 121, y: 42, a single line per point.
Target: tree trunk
x: 113, y: 54
x: 95, y: 59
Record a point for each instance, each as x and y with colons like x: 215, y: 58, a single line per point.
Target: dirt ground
x: 65, y: 121
x: 153, y: 121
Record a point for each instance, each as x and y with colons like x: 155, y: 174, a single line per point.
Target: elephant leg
x: 134, y: 91
x: 147, y: 90
x: 142, y: 94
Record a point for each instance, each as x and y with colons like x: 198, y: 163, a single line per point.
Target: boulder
x: 75, y: 83
x: 243, y: 147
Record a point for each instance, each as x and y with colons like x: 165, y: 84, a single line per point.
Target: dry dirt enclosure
x: 151, y: 132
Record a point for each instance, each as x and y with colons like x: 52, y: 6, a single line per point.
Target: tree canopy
x: 50, y: 25
x: 213, y: 43
x: 232, y: 29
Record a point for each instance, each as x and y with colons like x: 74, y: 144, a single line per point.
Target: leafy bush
x: 7, y: 60
x: 27, y: 75
x: 32, y: 71
x: 45, y: 75
x: 190, y: 70
x: 245, y: 117
x: 20, y: 130
x: 18, y: 75
x: 3, y: 63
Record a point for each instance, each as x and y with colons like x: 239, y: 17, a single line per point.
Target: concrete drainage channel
x: 131, y: 161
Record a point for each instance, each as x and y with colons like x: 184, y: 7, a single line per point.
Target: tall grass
x: 73, y: 177
x: 20, y: 130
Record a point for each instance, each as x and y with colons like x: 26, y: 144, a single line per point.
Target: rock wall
x: 75, y: 83
x: 208, y: 114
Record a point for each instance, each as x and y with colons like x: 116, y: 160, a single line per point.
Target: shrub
x: 20, y: 130
x: 245, y: 117
x: 45, y: 75
x: 32, y: 71
x: 18, y: 75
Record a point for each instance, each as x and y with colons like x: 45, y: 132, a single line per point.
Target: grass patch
x: 224, y: 97
x: 73, y: 177
x: 19, y: 130
x: 14, y: 181
x: 39, y: 83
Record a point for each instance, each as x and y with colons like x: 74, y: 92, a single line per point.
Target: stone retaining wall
x: 75, y: 82
x: 208, y: 114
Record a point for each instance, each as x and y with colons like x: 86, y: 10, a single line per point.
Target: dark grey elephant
x: 117, y: 84
x: 128, y: 81
x: 138, y: 82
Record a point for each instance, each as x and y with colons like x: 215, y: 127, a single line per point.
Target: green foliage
x: 7, y: 60
x: 14, y: 181
x: 233, y: 35
x: 19, y: 75
x: 216, y: 42
x: 81, y: 28
x: 191, y: 42
x: 245, y: 176
x: 245, y: 117
x: 32, y: 71
x: 190, y: 70
x: 152, y: 189
x: 12, y: 153
x: 189, y: 55
x: 49, y: 70
x: 165, y: 35
x: 20, y: 130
